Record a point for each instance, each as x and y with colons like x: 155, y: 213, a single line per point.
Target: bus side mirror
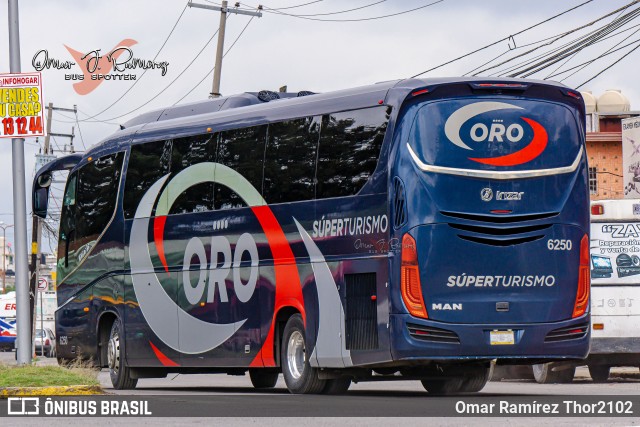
x: 41, y: 195
x: 41, y: 202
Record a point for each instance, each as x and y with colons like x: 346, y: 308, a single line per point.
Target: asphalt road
x: 241, y: 404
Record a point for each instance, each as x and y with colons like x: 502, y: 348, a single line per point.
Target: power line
x: 80, y: 132
x: 298, y: 5
x: 172, y: 82
x: 605, y: 69
x: 277, y: 11
x: 310, y: 18
x: 501, y: 40
x: 144, y: 72
x: 553, y: 40
x: 607, y: 53
x: 590, y: 38
x: 587, y: 41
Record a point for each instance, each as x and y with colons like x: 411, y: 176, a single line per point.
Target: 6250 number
x: 559, y: 244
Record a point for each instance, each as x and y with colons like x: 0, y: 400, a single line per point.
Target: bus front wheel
x: 298, y: 374
x: 263, y: 378
x: 120, y: 373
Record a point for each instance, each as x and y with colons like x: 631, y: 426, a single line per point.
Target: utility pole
x: 23, y: 340
x: 223, y: 9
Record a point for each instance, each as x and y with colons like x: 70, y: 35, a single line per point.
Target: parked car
x: 49, y: 339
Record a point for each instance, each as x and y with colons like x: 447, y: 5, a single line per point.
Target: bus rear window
x: 495, y: 134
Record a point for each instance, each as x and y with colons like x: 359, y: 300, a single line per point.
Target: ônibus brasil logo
x: 498, y: 131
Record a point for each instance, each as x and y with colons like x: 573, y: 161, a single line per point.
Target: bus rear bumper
x: 414, y: 339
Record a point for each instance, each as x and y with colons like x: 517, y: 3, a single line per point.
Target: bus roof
x: 255, y: 108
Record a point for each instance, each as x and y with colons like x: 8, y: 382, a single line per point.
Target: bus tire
x: 443, y: 386
x: 476, y: 381
x: 118, y: 371
x: 263, y: 378
x: 337, y: 386
x: 298, y: 374
x: 544, y: 374
x: 599, y: 373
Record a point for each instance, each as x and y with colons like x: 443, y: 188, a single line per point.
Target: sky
x: 320, y: 51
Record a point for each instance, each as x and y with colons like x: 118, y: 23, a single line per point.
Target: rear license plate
x: 501, y: 338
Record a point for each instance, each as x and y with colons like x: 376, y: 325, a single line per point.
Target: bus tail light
x: 410, y: 278
x: 584, y: 280
x: 597, y: 209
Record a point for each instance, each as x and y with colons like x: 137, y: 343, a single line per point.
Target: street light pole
x: 4, y: 253
x: 23, y: 319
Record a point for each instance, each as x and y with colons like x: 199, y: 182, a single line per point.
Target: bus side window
x: 243, y: 151
x: 88, y: 205
x: 147, y: 163
x: 290, y: 160
x: 350, y: 144
x: 98, y: 183
x: 187, y: 152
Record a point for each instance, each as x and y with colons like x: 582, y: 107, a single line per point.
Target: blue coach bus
x: 414, y: 229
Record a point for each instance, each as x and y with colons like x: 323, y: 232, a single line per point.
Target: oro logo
x: 497, y: 131
x: 217, y: 275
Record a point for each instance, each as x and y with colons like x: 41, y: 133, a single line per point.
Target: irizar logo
x: 497, y: 132
x: 509, y: 195
x: 446, y: 306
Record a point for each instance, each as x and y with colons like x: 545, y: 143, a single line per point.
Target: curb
x: 72, y: 390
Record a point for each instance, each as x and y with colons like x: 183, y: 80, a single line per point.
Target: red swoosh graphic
x: 158, y: 237
x: 528, y: 153
x: 162, y: 357
x: 288, y: 286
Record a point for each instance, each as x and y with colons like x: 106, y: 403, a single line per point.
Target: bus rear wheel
x: 120, y: 373
x: 263, y: 378
x: 298, y: 374
x: 476, y: 379
x: 544, y: 373
x: 599, y: 373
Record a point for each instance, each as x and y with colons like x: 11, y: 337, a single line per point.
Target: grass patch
x: 42, y: 376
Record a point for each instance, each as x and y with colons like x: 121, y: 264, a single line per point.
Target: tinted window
x: 147, y: 163
x: 88, y: 205
x: 97, y: 196
x: 290, y: 160
x: 67, y: 225
x: 348, y: 153
x: 243, y: 151
x: 188, y: 152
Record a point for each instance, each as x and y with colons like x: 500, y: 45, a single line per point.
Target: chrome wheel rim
x: 296, y: 354
x: 113, y: 353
